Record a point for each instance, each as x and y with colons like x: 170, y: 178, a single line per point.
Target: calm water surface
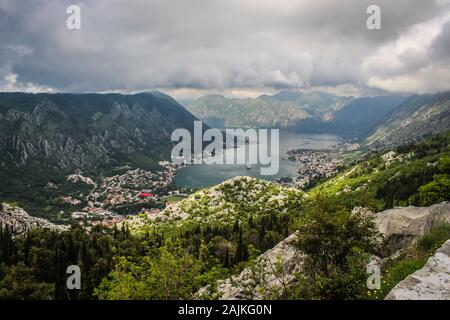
x: 203, y: 175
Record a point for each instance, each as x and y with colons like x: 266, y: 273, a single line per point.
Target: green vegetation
x: 39, y: 191
x: 436, y: 191
x: 169, y: 259
x: 338, y: 245
x: 148, y: 160
x: 412, y: 175
x: 33, y: 266
x: 167, y: 272
x: 172, y: 199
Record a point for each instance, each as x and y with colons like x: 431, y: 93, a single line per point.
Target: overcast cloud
x: 240, y: 47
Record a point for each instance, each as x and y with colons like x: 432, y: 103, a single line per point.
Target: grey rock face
x: 403, y: 225
x: 17, y: 219
x: 432, y: 282
x: 277, y: 268
x: 69, y: 132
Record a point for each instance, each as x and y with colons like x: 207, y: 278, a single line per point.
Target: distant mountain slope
x: 321, y: 105
x: 395, y: 178
x: 219, y: 111
x: 361, y: 114
x: 419, y: 116
x: 77, y: 131
x: 313, y: 112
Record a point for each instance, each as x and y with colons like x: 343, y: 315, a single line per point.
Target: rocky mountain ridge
x: 383, y: 121
x: 235, y: 199
x: 305, y: 112
x: 417, y: 117
x: 68, y: 132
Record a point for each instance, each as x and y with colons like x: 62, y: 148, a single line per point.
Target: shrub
x: 338, y: 244
x: 431, y: 241
x: 436, y: 191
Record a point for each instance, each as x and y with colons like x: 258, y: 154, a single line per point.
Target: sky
x: 240, y: 48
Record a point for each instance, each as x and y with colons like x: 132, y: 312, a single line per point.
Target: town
x: 317, y: 164
x: 129, y: 193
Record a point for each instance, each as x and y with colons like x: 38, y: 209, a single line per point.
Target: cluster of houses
x: 316, y: 164
x: 136, y: 186
x: 103, y: 218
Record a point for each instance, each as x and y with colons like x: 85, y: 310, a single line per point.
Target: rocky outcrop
x: 275, y: 268
x: 400, y: 225
x: 16, y: 218
x: 432, y: 282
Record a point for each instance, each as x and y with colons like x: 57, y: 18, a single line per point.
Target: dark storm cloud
x: 441, y: 45
x: 219, y: 45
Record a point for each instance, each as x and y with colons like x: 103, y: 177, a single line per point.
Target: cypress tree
x: 236, y: 226
x: 226, y: 261
x: 27, y: 247
x: 240, y: 247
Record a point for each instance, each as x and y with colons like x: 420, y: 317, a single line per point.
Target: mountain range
x: 79, y: 131
x: 65, y: 132
x: 225, y: 241
x: 387, y: 120
x: 316, y: 112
